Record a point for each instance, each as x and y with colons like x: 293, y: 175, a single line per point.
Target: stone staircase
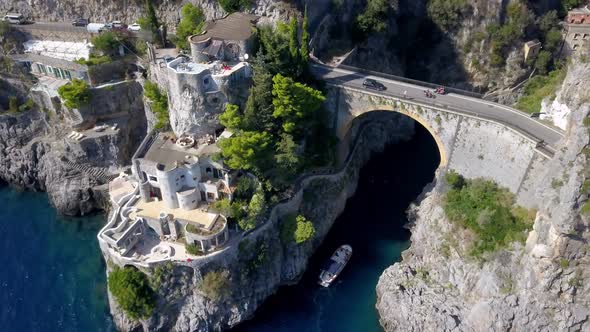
x: 99, y: 173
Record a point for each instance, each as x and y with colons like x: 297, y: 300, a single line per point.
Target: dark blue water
x: 372, y: 223
x: 52, y: 277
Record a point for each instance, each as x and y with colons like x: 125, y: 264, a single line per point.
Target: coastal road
x: 455, y: 102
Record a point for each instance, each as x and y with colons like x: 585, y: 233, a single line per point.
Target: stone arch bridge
x: 475, y: 137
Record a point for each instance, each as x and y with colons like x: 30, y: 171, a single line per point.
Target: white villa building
x: 165, y: 203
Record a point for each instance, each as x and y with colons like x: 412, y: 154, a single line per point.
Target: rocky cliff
x: 256, y: 264
x: 129, y: 11
x: 419, y: 43
x: 537, y: 286
x: 37, y: 155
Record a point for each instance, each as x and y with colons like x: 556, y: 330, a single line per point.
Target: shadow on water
x: 372, y: 223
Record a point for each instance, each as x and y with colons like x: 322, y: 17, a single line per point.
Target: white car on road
x: 134, y: 27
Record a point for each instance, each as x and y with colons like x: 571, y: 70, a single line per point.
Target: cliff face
x: 37, y: 155
x: 539, y: 286
x: 259, y: 262
x: 414, y: 45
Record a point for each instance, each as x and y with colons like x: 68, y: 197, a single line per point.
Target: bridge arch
x: 406, y: 110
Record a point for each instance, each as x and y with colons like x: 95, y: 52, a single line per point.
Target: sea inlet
x: 52, y: 276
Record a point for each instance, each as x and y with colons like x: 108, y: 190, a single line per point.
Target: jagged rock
x: 36, y: 154
x: 537, y: 287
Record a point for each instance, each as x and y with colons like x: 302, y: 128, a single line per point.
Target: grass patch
x: 539, y: 87
x: 489, y: 212
x: 564, y: 263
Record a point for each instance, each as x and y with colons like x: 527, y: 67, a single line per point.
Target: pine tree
x: 304, y: 39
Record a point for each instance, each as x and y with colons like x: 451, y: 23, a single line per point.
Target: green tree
x: 294, y: 103
x: 231, y: 117
x: 106, y: 42
x: 293, y: 40
x: 552, y: 40
x: 246, y: 150
x: 548, y: 21
x: 304, y: 39
x: 286, y: 155
x: 257, y: 204
x: 374, y: 17
x: 304, y: 231
x: 75, y: 94
x: 543, y: 61
x: 447, y: 13
x: 296, y: 229
x: 259, y: 109
x: 279, y: 46
x: 131, y: 289
x: 191, y: 23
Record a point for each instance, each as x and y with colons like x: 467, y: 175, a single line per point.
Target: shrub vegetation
x: 539, y: 87
x: 191, y: 23
x: 131, y: 289
x: 488, y: 211
x: 159, y: 104
x: 374, y: 17
x: 296, y: 229
x: 447, y: 13
x: 216, y: 285
x: 75, y: 94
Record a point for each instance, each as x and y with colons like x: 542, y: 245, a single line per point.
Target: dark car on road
x: 372, y: 84
x: 80, y: 22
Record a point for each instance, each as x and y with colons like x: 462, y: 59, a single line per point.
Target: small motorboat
x: 335, y: 265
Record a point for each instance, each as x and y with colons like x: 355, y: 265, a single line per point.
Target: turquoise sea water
x: 372, y: 223
x: 52, y: 277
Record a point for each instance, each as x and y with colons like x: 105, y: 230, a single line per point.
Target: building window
x: 210, y: 196
x: 206, y: 81
x: 153, y: 178
x: 182, y: 176
x: 208, y: 170
x: 215, y: 173
x: 203, y: 197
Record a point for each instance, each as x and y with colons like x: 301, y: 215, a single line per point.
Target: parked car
x: 134, y: 27
x: 80, y: 22
x: 95, y: 27
x: 117, y: 24
x: 372, y: 84
x: 14, y: 18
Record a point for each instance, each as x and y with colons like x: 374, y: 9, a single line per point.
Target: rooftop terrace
x: 165, y: 151
x: 181, y: 65
x: 153, y: 209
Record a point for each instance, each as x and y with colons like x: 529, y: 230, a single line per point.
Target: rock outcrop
x: 259, y: 261
x: 36, y: 153
x: 537, y: 286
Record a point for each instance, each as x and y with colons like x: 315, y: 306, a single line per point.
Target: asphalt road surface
x: 484, y: 109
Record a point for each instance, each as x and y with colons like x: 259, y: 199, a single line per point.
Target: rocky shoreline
x: 537, y: 286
